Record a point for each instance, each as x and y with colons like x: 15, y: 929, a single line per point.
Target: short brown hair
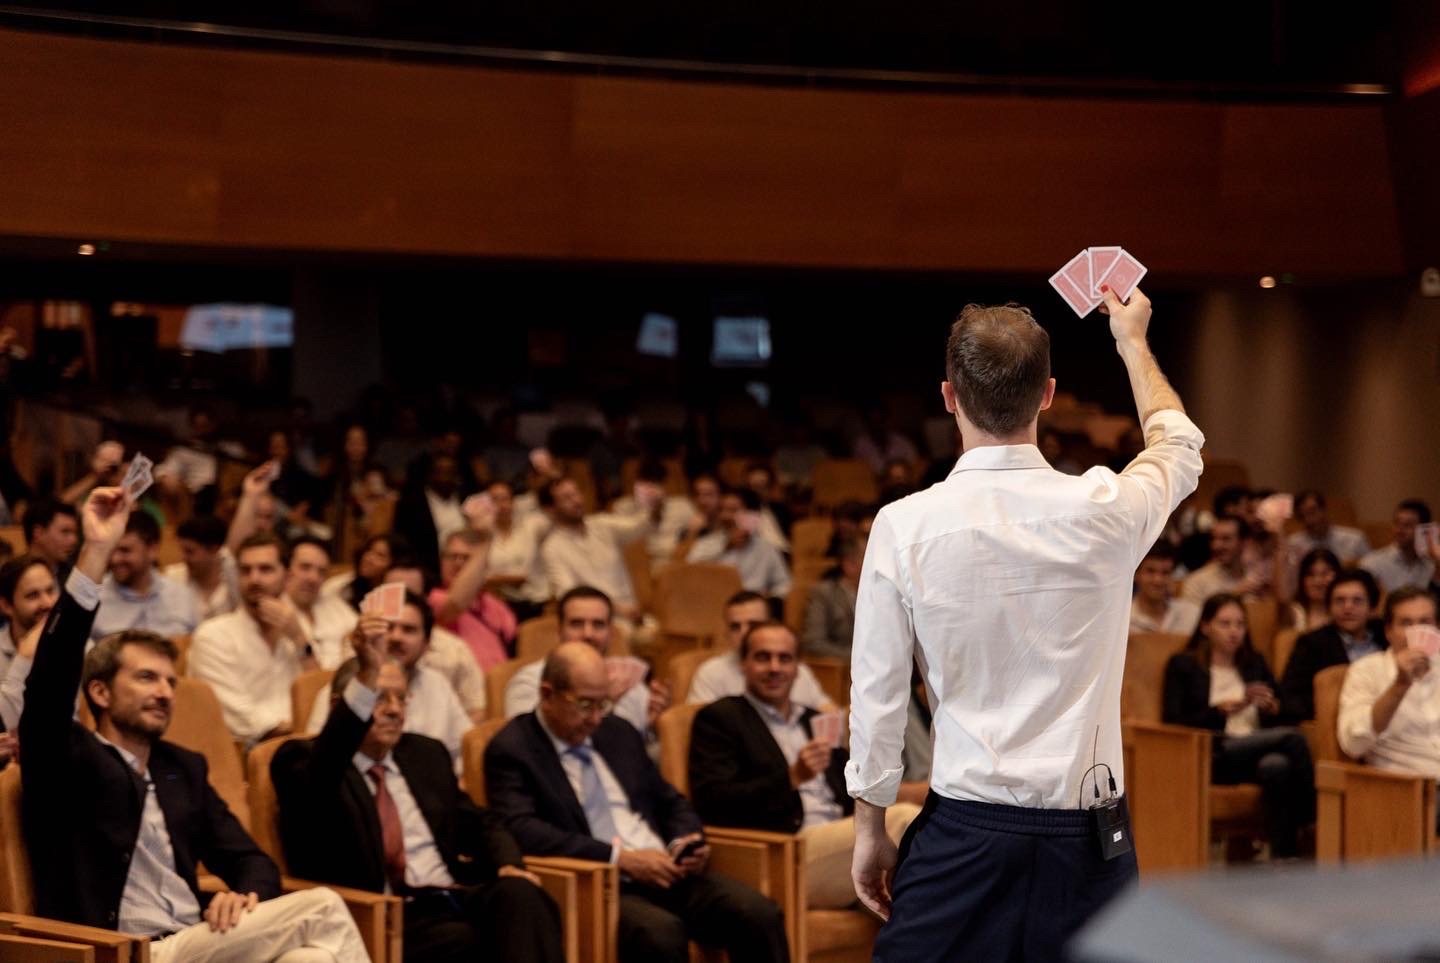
x: 998, y: 362
x: 103, y: 661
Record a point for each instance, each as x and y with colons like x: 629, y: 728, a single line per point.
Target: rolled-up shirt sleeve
x: 1163, y: 475
x: 881, y: 662
x: 1355, y: 728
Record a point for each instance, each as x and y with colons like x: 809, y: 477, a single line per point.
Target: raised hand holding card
x: 1122, y: 276
x: 1426, y: 536
x: 1423, y: 638
x: 1072, y: 283
x: 1102, y: 259
x: 624, y: 672
x: 389, y: 601
x: 138, y: 478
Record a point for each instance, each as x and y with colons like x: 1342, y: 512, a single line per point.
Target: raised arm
x: 255, y: 486
x: 1129, y: 323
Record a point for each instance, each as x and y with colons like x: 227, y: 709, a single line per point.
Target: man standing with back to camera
x: 1010, y: 582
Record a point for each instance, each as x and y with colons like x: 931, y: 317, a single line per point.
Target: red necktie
x: 392, y: 837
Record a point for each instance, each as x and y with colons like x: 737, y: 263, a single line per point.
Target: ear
x: 947, y: 391
x: 1049, y: 398
x: 99, y: 693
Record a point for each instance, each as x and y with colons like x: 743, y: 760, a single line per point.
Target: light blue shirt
x: 1359, y: 646
x: 167, y: 609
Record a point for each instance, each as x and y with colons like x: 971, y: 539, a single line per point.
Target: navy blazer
x: 1315, y: 651
x: 1187, y: 692
x: 525, y: 783
x: 328, y: 821
x: 82, y: 803
x: 739, y: 776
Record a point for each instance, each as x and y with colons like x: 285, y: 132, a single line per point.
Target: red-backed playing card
x: 1102, y: 259
x: 1123, y: 276
x: 1072, y: 283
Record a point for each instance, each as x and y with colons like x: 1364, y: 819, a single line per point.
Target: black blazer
x: 414, y: 521
x: 81, y: 802
x: 739, y: 776
x: 526, y: 784
x: 1315, y: 651
x: 1187, y: 692
x: 328, y: 822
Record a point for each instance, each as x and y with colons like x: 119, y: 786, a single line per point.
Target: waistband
x: 1014, y: 819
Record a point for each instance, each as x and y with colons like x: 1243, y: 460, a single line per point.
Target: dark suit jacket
x: 1315, y: 651
x: 526, y: 784
x: 331, y: 830
x: 414, y: 521
x: 82, y: 803
x: 739, y: 776
x: 1187, y: 692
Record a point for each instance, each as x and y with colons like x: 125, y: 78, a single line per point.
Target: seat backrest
x: 682, y: 668
x: 690, y: 598
x: 472, y: 755
x: 534, y: 638
x: 16, y: 892
x: 182, y: 653
x: 637, y: 566
x: 1282, y: 645
x: 797, y: 602
x: 837, y: 480
x: 1328, y: 683
x: 198, y: 724
x: 673, y: 727
x: 810, y: 537
x: 15, y: 535
x: 264, y: 807
x: 833, y: 676
x: 1262, y: 617
x: 1142, y: 693
x: 303, y: 690
x: 496, y: 679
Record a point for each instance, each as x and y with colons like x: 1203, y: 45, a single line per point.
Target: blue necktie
x: 596, y: 803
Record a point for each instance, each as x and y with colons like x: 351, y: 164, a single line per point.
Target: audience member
x: 670, y: 515
x: 505, y: 457
x: 515, y: 572
x: 721, y: 675
x: 372, y: 560
x: 136, y: 596
x: 294, y: 487
x: 1348, y: 544
x: 606, y: 801
x: 1154, y: 607
x: 192, y: 468
x: 325, y: 620
x: 52, y: 531
x: 1390, y: 702
x: 775, y: 516
x: 798, y: 454
x: 588, y: 550
x: 1398, y: 565
x: 105, y: 471
x: 467, y: 893
x: 252, y: 655
x: 207, y: 568
x: 447, y: 653
x: 1221, y: 683
x: 433, y: 709
x: 1310, y: 609
x: 851, y: 520
x: 27, y: 594
x: 116, y: 820
x: 586, y: 615
x: 879, y: 442
x: 830, y: 609
x: 1350, y: 635
x: 1226, y: 572
x: 1052, y: 448
x: 462, y: 605
x: 756, y: 763
x: 345, y: 490
x: 761, y: 566
x: 257, y: 512
x: 428, y: 512
x: 705, y: 492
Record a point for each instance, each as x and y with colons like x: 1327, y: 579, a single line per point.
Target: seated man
x: 251, y: 656
x: 830, y: 609
x: 571, y: 780
x: 720, y: 676
x: 761, y: 566
x: 447, y: 653
x: 325, y: 620
x: 1225, y: 572
x: 116, y: 820
x: 1348, y: 544
x: 206, y: 568
x: 433, y: 708
x: 463, y: 606
x: 586, y: 615
x: 755, y: 763
x: 1398, y: 565
x: 136, y: 596
x: 1390, y: 703
x: 1351, y: 635
x: 52, y: 531
x: 588, y: 549
x: 468, y: 895
x: 670, y: 515
x: 1153, y: 608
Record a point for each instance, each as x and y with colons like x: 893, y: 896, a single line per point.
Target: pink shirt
x: 485, y: 626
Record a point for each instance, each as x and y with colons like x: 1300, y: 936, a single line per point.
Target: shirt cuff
x: 361, y: 699
x: 614, y: 854
x: 880, y: 792
x: 1171, y: 424
x: 83, y: 589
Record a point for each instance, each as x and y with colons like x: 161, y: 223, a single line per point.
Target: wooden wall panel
x: 128, y: 141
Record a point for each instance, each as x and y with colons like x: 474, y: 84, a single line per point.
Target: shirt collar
x: 770, y: 713
x: 1000, y: 458
x: 561, y: 746
x: 364, y: 762
x: 7, y: 640
x: 130, y: 595
x: 130, y: 758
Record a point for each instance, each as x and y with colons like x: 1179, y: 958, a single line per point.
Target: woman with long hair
x: 1219, y: 682
x: 1318, y: 569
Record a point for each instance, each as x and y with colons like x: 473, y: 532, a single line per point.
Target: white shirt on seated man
x: 721, y: 675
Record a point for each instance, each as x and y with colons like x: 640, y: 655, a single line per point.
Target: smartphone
x: 688, y: 850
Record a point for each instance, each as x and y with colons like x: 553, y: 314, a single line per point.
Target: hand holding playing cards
x: 102, y: 519
x: 659, y: 700
x: 257, y: 481
x: 814, y: 759
x: 368, y: 640
x: 1411, y: 665
x: 1128, y: 320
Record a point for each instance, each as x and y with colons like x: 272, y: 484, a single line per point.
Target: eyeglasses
x: 589, y: 706
x: 400, y: 696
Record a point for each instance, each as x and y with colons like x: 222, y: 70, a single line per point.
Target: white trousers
x: 311, y: 926
x: 830, y: 849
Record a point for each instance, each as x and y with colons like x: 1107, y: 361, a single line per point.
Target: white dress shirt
x: 225, y: 597
x: 1394, y: 570
x: 1011, y: 583
x: 522, y: 694
x: 1411, y: 742
x: 328, y: 626
x: 761, y: 566
x: 817, y: 800
x: 155, y: 899
x: 593, y: 555
x: 518, y: 553
x: 1180, y: 617
x: 676, y: 511
x: 720, y: 676
x: 1347, y: 543
x: 448, y: 655
x: 1212, y: 578
x: 633, y: 830
x: 432, y: 710
x: 12, y: 693
x: 1227, y: 685
x: 424, y: 866
x: 166, y: 608
x: 251, y: 679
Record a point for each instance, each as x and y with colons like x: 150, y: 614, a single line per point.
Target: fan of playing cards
x: 138, y: 478
x: 1079, y: 281
x: 828, y: 727
x: 386, y: 601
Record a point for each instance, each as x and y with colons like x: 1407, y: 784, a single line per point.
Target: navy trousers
x: 979, y: 881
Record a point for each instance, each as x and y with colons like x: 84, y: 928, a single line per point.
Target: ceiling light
x: 1267, y: 282
x: 85, y: 250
